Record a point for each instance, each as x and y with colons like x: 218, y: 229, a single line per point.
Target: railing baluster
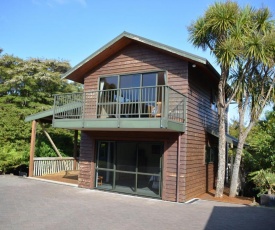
x: 128, y: 102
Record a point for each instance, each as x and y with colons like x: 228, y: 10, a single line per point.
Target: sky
x: 74, y: 29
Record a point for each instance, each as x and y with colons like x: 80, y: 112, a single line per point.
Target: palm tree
x: 255, y: 76
x: 231, y: 34
x: 213, y: 31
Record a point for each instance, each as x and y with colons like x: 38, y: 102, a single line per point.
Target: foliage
x: 214, y: 31
x: 27, y: 87
x: 63, y: 140
x: 261, y: 140
x: 11, y: 158
x: 264, y: 181
x: 241, y: 40
x: 33, y: 82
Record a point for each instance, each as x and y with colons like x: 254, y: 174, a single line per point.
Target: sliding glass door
x: 129, y: 167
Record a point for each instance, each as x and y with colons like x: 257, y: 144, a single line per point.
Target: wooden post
x: 50, y: 140
x: 32, y: 148
x: 75, y: 148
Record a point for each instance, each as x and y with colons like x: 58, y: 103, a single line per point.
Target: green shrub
x: 264, y: 181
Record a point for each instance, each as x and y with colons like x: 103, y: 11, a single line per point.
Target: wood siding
x: 86, y: 161
x: 195, y: 176
x: 138, y: 58
x: 199, y: 176
x: 88, y: 156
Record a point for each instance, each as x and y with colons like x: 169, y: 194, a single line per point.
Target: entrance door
x: 129, y: 167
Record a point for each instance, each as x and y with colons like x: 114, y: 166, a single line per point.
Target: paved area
x: 32, y: 204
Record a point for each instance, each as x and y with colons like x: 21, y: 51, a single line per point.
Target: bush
x: 10, y: 158
x: 264, y: 181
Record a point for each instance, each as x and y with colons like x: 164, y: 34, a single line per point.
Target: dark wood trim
x: 32, y: 148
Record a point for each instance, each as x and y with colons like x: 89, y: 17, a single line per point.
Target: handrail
x: 136, y: 102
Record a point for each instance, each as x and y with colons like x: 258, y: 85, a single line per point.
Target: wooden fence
x: 50, y: 165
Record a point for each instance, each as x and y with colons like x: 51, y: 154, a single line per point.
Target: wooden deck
x: 210, y: 195
x: 63, y: 176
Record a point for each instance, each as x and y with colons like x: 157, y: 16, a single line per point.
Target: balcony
x: 157, y: 108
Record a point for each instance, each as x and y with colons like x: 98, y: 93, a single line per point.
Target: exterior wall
x: 86, y: 161
x: 195, y: 176
x: 140, y: 58
x: 88, y: 156
x: 137, y: 58
x: 199, y: 176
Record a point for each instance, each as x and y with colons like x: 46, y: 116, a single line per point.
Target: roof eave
x: 77, y: 72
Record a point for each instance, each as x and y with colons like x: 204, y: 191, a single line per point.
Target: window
x: 211, y: 154
x: 136, y: 94
x: 129, y: 167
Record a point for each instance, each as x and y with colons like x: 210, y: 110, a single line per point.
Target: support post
x: 50, y: 140
x: 32, y: 148
x: 75, y: 148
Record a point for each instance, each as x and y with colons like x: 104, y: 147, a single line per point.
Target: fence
x: 50, y: 165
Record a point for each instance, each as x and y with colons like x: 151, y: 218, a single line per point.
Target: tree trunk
x: 236, y: 169
x: 221, y: 165
x: 221, y: 114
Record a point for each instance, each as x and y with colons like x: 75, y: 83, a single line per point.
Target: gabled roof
x: 77, y: 73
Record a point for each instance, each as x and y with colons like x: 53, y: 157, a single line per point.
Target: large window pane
x: 104, y: 179
x: 149, y: 79
x: 108, y: 91
x: 108, y: 83
x: 148, y: 185
x: 149, y: 93
x: 149, y: 158
x: 129, y: 167
x: 129, y: 81
x: 125, y: 182
x: 126, y: 156
x: 106, y: 155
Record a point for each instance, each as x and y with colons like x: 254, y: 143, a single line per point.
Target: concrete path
x: 31, y: 204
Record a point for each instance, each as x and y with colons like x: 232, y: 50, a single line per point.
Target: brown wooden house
x: 147, y: 119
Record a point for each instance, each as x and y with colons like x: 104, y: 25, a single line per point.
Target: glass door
x: 105, y: 165
x: 149, y: 169
x: 129, y: 98
x: 106, y: 107
x: 130, y: 167
x: 125, y: 167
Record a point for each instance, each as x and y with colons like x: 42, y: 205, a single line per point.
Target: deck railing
x: 50, y: 165
x: 136, y: 102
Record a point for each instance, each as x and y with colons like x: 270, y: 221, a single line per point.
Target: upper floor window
x: 134, y: 87
x: 131, y: 95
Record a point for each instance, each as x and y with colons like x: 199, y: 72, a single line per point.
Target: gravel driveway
x: 32, y: 204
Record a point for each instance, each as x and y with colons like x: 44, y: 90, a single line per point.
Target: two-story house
x: 145, y: 117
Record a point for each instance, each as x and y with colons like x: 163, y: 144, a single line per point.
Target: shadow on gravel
x: 241, y: 218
